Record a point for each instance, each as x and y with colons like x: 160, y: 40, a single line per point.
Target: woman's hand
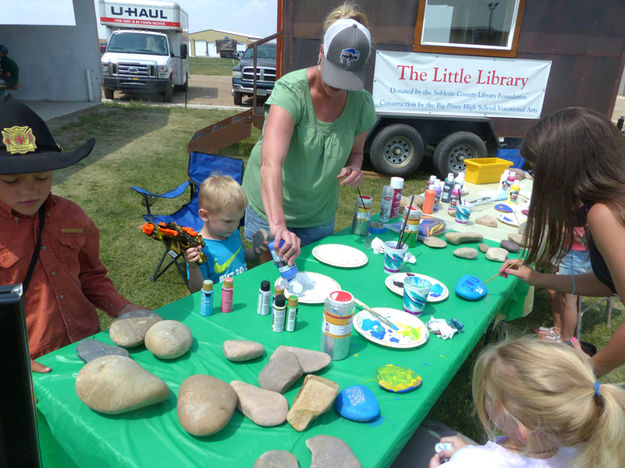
x: 290, y: 250
x: 351, y: 175
x: 444, y: 455
x: 516, y: 268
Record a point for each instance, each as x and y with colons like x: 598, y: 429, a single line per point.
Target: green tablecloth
x: 153, y: 436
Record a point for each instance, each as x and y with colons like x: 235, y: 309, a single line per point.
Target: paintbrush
x: 403, y: 228
x: 361, y: 200
x: 479, y: 286
x: 376, y: 315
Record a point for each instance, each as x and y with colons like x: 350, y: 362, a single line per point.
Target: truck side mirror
x: 183, y: 51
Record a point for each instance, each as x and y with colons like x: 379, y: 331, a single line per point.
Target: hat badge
x: 348, y: 56
x: 19, y: 140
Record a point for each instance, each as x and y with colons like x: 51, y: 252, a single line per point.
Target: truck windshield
x: 138, y: 44
x: 267, y: 51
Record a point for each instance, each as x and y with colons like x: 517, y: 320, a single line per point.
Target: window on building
x: 471, y: 27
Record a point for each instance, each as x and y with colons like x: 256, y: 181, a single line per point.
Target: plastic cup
x: 393, y: 257
x: 462, y: 214
x: 416, y: 290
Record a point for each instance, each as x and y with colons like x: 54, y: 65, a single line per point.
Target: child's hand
x: 259, y: 241
x: 443, y: 455
x: 192, y: 254
x: 39, y: 368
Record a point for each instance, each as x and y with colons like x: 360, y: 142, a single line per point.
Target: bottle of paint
x: 386, y: 204
x: 513, y: 194
x: 291, y: 314
x: 278, y: 313
x: 503, y: 181
x: 287, y: 271
x: 453, y: 202
x: 459, y: 185
x: 362, y: 215
x: 431, y: 182
x: 227, y: 294
x: 412, y: 225
x: 428, y: 203
x: 206, y: 299
x: 338, y: 312
x: 264, y: 298
x: 397, y: 184
x: 447, y: 188
x: 439, y: 192
x: 509, y: 181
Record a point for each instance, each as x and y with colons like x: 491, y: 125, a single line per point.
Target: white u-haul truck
x: 146, y: 47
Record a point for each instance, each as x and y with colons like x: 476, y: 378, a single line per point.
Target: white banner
x: 409, y: 82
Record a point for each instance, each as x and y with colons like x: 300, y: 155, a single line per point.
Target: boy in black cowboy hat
x: 47, y: 242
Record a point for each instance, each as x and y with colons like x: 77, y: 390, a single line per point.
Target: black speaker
x: 19, y: 446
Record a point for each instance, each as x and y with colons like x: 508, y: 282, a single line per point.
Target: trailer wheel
x: 109, y: 93
x: 169, y: 92
x: 238, y: 98
x: 397, y: 150
x: 451, y: 152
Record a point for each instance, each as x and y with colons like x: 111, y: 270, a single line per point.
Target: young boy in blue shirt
x: 222, y: 204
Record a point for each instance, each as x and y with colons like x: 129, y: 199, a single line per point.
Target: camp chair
x: 201, y: 165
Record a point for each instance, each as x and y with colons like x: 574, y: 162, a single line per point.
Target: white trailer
x: 147, y: 47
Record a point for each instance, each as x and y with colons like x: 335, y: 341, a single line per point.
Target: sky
x: 248, y: 17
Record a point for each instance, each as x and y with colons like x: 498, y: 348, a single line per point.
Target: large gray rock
x: 242, y: 350
x: 280, y: 373
x: 487, y: 220
x: 456, y: 238
x: 205, y: 404
x: 517, y: 239
x: 90, y: 349
x: 276, y: 459
x: 435, y: 242
x: 330, y: 452
x: 263, y: 407
x: 314, y: 398
x: 168, y: 339
x: 129, y: 330
x: 117, y: 384
x: 510, y: 246
x: 311, y: 361
x: 496, y: 254
x: 466, y: 252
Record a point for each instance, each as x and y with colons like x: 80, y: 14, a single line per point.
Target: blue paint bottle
x: 287, y: 271
x: 206, y: 301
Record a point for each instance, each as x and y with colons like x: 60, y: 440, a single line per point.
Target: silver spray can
x: 336, y: 329
x: 385, y: 204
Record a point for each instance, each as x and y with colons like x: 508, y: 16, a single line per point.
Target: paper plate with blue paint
x: 411, y: 332
x: 438, y: 293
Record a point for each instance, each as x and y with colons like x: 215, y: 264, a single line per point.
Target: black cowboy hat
x: 27, y: 144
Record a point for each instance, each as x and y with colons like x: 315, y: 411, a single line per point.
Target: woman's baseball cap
x: 27, y: 144
x: 346, y: 48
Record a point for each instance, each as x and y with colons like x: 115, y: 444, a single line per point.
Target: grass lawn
x: 146, y: 146
x: 211, y: 66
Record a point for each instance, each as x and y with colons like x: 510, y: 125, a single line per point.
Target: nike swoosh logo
x: 224, y: 266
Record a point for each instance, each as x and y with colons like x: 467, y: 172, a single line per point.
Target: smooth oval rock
x: 263, y: 407
x: 117, y: 384
x: 456, y: 238
x: 487, y: 220
x: 397, y: 379
x: 435, y: 242
x: 496, y: 254
x: 168, y: 339
x: 510, y: 246
x: 517, y: 239
x: 483, y: 247
x: 314, y: 398
x: 242, y: 350
x: 466, y: 252
x: 276, y: 459
x: 90, y: 349
x: 357, y: 403
x: 129, y: 330
x: 205, y: 404
x: 280, y: 373
x: 311, y: 361
x: 328, y: 451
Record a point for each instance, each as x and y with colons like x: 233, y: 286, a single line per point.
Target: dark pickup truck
x: 243, y: 73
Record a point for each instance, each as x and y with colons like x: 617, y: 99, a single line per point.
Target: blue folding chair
x: 201, y: 165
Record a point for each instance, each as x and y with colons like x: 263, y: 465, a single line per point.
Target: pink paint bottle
x: 227, y: 295
x: 397, y: 184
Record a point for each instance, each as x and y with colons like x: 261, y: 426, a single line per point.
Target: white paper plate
x: 432, y: 297
x: 412, y: 331
x: 512, y: 219
x: 316, y: 287
x: 342, y: 256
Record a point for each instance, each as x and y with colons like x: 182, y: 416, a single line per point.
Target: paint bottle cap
x: 397, y: 183
x: 450, y: 177
x: 265, y: 285
x: 293, y: 301
x: 280, y: 300
x: 228, y: 282
x: 207, y: 285
x: 277, y: 290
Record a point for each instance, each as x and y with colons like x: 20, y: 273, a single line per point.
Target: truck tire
x: 451, y: 152
x: 397, y: 150
x: 238, y: 98
x: 109, y: 93
x: 169, y: 92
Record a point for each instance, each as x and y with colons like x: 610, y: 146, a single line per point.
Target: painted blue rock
x: 357, y: 403
x: 90, y: 349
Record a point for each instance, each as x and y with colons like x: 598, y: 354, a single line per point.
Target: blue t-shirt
x: 224, y: 258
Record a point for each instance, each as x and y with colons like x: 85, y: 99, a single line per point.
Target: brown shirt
x: 69, y: 280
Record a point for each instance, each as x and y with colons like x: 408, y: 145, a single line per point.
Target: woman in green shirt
x: 313, y: 139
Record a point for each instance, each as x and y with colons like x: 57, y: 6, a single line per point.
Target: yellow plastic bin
x: 485, y: 170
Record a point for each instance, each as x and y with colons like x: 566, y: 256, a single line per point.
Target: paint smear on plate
x: 374, y: 328
x: 409, y: 332
x: 436, y: 291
